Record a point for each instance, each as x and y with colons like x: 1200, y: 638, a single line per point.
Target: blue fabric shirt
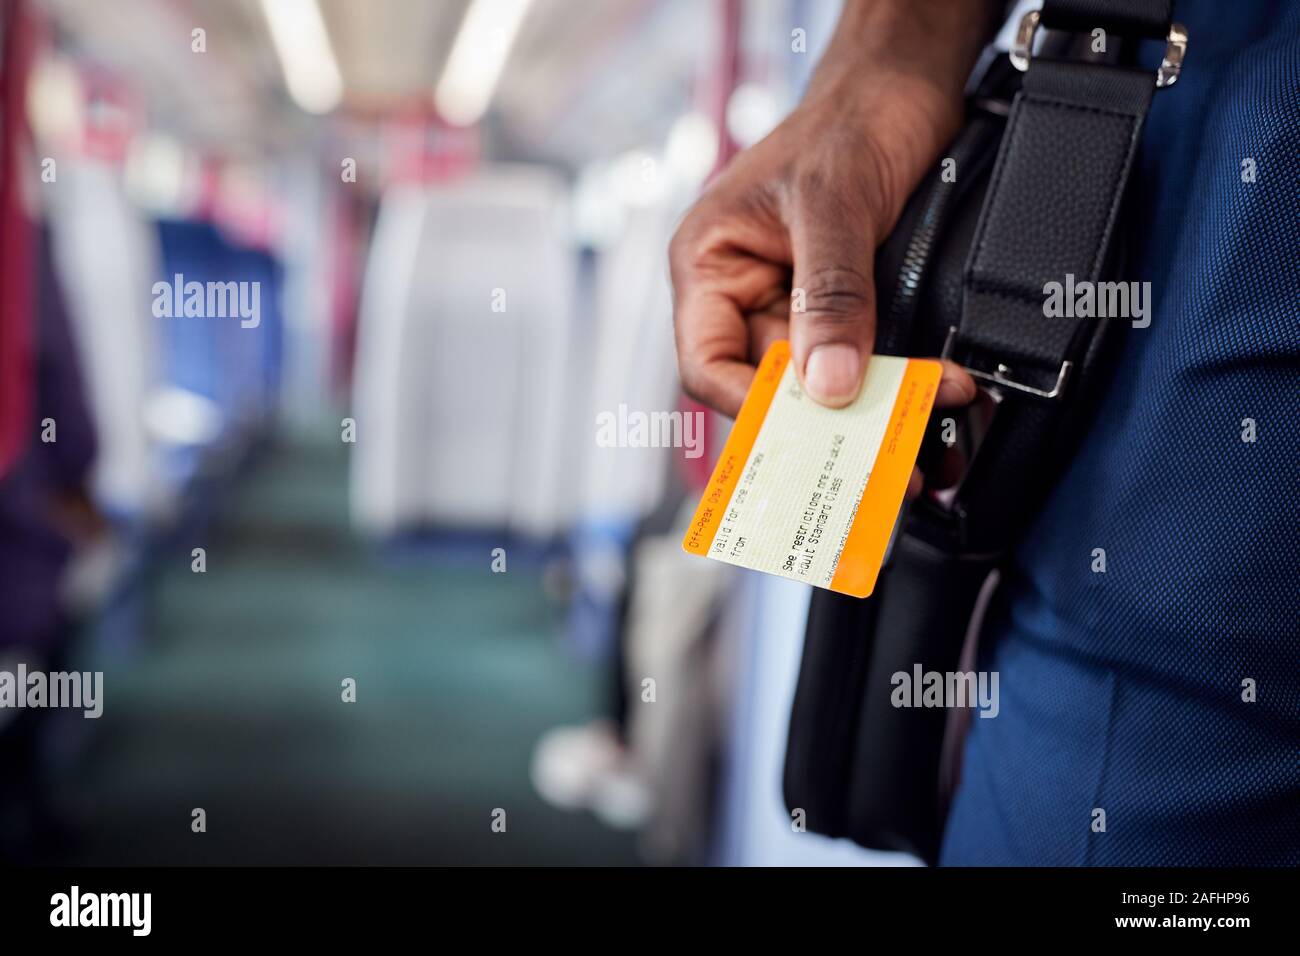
x: 1123, y: 691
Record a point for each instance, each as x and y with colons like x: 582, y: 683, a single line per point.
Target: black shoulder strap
x: 1050, y: 211
x: 1049, y: 216
x: 1130, y: 18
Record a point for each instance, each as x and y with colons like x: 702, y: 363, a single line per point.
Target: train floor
x: 232, y: 701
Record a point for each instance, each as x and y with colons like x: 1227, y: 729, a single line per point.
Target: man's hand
x: 782, y: 243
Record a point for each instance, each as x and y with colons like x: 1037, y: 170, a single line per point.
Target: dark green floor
x: 233, y: 701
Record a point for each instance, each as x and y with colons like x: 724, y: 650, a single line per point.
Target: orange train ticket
x: 812, y: 493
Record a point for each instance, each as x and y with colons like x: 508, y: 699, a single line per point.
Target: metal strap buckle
x: 1167, y: 75
x: 1001, y: 377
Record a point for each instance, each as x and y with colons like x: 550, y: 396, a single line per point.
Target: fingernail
x: 831, y: 375
x: 954, y: 392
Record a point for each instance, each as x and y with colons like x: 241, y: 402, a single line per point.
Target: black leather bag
x: 1041, y: 166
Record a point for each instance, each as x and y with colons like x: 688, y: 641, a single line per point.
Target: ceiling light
x: 478, y: 58
x: 303, y: 45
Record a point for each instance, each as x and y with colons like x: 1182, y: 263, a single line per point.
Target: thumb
x: 833, y: 300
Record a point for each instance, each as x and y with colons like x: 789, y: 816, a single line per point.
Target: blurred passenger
x: 45, y: 510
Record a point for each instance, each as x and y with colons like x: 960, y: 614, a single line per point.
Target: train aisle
x: 235, y: 706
